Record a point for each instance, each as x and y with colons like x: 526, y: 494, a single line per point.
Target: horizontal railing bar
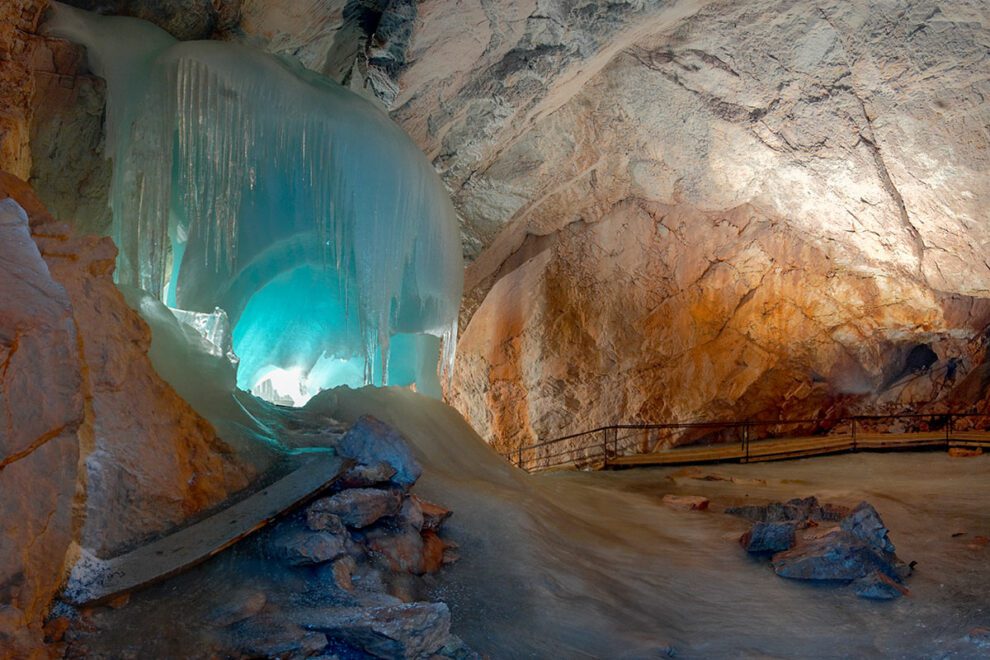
x: 611, y: 443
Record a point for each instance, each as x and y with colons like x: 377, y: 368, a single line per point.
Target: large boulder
x: 371, y: 441
x: 307, y: 548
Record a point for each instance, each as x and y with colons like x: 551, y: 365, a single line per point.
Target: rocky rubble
x: 806, y: 544
x: 347, y: 576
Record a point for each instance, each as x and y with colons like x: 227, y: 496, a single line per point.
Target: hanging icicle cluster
x: 233, y: 169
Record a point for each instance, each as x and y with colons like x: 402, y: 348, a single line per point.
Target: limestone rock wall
x: 95, y: 447
x: 854, y: 134
x: 18, y: 23
x: 836, y: 152
x: 656, y: 313
x: 41, y: 416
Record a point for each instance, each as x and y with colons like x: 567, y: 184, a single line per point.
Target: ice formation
x: 245, y: 182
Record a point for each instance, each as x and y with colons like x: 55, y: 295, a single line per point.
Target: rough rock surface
x: 676, y: 210
x: 18, y: 21
x: 768, y: 537
x: 41, y: 413
x: 409, y: 630
x: 706, y: 210
x: 359, y: 507
x: 94, y: 447
x: 857, y: 550
x: 371, y: 441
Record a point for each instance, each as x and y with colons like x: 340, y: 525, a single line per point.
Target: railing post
x: 746, y: 441
x: 604, y: 446
x: 615, y: 441
x: 519, y: 457
x: 948, y: 427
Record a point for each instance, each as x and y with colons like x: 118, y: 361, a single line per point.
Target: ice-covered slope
x: 594, y: 565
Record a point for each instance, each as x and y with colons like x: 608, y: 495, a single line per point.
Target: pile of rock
x: 349, y: 575
x: 826, y: 543
x: 364, y: 543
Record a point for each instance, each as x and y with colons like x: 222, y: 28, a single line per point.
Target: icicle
x: 268, y: 169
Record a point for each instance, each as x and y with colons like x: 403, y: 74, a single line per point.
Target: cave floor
x: 684, y: 579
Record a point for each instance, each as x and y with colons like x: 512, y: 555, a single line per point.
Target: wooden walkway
x: 787, y: 448
x: 95, y: 581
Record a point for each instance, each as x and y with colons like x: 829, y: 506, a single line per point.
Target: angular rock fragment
x: 434, y: 515
x: 768, y: 537
x: 411, y: 515
x: 839, y: 556
x: 371, y: 441
x: 797, y: 509
x: 319, y: 519
x: 364, y: 476
x: 273, y: 636
x: 411, y: 630
x: 864, y: 523
x: 402, y: 548
x: 304, y: 548
x: 358, y: 507
x: 878, y: 586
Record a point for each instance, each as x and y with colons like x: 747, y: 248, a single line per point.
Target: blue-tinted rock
x: 795, y: 510
x: 305, y: 548
x: 864, y: 523
x: 768, y: 537
x: 371, y: 441
x: 409, y: 630
x: 878, y: 586
x: 839, y: 556
x: 357, y: 507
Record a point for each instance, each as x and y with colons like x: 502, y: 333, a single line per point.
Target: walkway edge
x: 93, y: 581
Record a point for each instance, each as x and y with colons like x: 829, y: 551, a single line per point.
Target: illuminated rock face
x: 746, y: 209
x: 658, y: 313
x: 854, y: 132
x: 94, y: 447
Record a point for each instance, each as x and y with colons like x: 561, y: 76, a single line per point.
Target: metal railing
x: 594, y: 449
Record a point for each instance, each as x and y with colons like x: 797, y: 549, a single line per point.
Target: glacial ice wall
x: 237, y: 173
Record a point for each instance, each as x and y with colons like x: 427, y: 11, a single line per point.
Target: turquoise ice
x: 245, y: 182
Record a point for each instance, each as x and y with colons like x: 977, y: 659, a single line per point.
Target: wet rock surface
x: 806, y: 544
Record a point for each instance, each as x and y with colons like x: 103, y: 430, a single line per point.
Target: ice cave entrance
x: 243, y: 182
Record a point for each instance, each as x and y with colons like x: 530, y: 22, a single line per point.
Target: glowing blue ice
x: 244, y: 182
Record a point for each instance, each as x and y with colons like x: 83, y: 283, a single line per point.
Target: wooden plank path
x: 787, y: 448
x: 94, y: 581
